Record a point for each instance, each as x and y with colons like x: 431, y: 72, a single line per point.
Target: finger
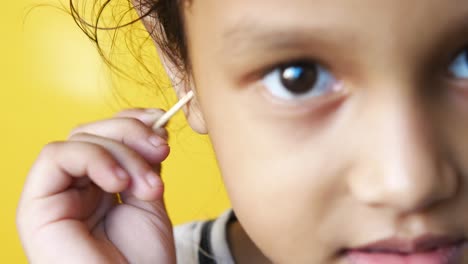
x: 106, y: 202
x: 145, y: 183
x: 60, y: 163
x: 148, y: 117
x: 154, y: 208
x: 131, y: 132
x: 88, y: 204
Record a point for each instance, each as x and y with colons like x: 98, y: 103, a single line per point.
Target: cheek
x: 453, y: 126
x: 270, y: 167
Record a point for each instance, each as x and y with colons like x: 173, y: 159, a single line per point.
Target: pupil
x: 299, y: 79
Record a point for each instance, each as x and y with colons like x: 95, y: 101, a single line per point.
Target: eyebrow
x: 255, y: 36
x: 248, y: 35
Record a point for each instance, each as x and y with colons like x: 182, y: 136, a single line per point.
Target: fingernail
x: 150, y: 115
x: 152, y: 179
x: 121, y: 174
x: 156, y: 141
x: 151, y: 111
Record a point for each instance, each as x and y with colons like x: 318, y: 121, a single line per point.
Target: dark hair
x: 167, y: 31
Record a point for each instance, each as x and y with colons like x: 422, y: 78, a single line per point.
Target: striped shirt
x: 204, y: 242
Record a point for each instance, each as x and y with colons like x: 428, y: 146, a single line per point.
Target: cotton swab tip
x: 162, y: 121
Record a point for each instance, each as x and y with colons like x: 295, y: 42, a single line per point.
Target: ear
x: 181, y: 82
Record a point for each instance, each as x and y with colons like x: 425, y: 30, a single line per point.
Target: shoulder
x: 201, y: 242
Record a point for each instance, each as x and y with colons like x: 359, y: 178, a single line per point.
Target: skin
x: 386, y: 151
x: 68, y: 212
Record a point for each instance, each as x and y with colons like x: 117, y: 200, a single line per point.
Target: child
x: 340, y: 128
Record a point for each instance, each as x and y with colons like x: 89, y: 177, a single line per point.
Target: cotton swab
x: 171, y: 112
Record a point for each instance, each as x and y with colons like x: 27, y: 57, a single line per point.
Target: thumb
x: 142, y: 230
x: 156, y: 208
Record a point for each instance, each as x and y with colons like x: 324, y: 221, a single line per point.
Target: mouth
x: 424, y: 250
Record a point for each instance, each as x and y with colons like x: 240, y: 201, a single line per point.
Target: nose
x: 402, y: 165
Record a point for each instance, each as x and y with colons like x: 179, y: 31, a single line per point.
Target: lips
x: 424, y: 250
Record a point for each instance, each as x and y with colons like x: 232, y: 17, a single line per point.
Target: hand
x: 69, y: 211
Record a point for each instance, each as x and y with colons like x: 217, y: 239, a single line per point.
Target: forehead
x: 230, y: 16
x: 311, y: 9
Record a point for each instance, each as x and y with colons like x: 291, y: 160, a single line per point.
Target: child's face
x: 337, y: 123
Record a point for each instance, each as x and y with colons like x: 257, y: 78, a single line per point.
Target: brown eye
x: 299, y: 81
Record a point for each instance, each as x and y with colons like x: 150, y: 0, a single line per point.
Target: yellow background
x: 53, y: 79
